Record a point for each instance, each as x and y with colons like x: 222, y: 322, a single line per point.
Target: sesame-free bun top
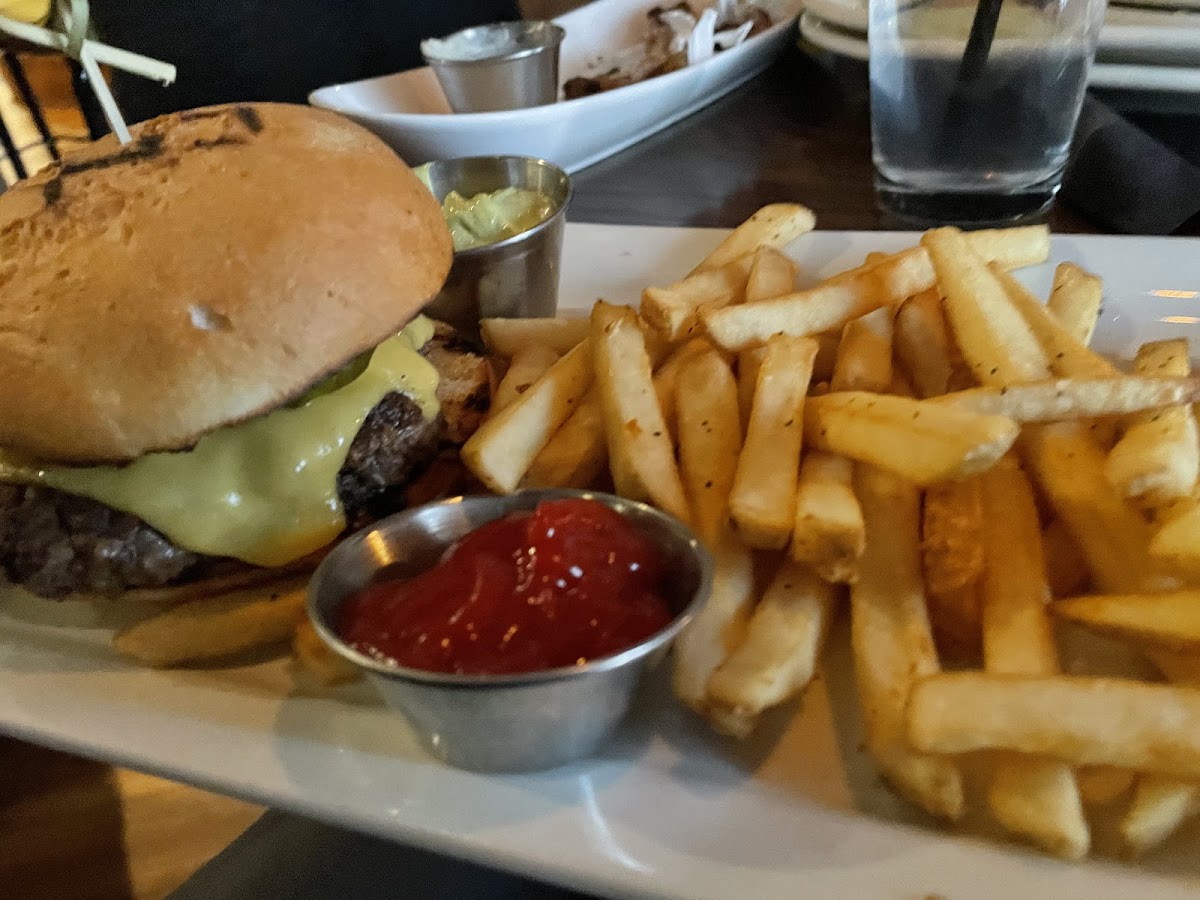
x: 220, y: 264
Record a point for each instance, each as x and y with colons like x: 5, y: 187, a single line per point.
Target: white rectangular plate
x: 667, y: 810
x: 410, y: 112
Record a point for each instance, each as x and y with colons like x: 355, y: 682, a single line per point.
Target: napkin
x: 1124, y: 179
x: 287, y: 857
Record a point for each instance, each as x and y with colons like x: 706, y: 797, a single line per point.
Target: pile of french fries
x: 921, y: 440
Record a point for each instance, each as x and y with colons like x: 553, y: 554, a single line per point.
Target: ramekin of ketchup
x: 563, y: 584
x: 511, y: 632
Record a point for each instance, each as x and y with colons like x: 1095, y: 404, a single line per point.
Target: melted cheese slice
x: 264, y: 491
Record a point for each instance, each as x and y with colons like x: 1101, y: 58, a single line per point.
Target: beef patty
x: 54, y: 544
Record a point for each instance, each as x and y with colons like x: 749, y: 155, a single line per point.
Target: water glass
x: 973, y: 104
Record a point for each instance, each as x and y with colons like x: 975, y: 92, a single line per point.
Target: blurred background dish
x: 1143, y: 35
x: 410, y: 112
x: 1150, y: 36
x: 1163, y: 27
x: 1147, y: 60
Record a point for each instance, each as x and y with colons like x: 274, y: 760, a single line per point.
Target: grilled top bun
x: 154, y: 292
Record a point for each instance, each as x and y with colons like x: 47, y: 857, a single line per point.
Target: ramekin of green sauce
x: 506, y: 217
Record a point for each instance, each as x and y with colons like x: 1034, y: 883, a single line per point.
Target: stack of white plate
x: 1151, y: 49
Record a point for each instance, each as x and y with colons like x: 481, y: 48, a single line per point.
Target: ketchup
x: 569, y: 582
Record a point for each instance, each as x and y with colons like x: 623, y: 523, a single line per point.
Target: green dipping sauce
x: 491, y: 217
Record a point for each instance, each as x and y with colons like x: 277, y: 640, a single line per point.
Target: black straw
x: 974, y: 60
x: 979, y: 43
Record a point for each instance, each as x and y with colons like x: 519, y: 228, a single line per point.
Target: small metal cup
x: 504, y: 723
x: 513, y: 278
x: 508, y: 65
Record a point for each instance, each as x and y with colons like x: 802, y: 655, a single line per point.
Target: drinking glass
x: 973, y: 105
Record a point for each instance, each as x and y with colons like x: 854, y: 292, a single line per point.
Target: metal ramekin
x: 513, y: 278
x: 505, y: 723
x: 505, y: 65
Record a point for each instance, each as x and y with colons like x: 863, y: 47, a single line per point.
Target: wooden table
x: 72, y: 828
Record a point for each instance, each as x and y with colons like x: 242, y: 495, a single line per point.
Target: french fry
x: 503, y: 448
x: 749, y: 361
x: 1068, y: 356
x: 710, y: 439
x: 1012, y: 248
x: 1035, y: 797
x: 577, y: 452
x: 673, y: 311
x: 923, y: 343
x: 953, y: 560
x: 1158, y: 458
x: 829, y: 534
x: 1066, y: 566
x: 916, y: 439
x: 214, y: 627
x: 719, y: 626
x: 1170, y: 620
x: 771, y: 275
x: 775, y: 225
x: 1177, y: 541
x: 834, y: 302
x: 892, y: 644
x: 1082, y: 721
x: 762, y: 501
x: 640, y: 454
x: 748, y: 364
x: 1160, y: 805
x: 316, y: 659
x: 778, y: 655
x: 1114, y: 539
x: 864, y: 358
x: 506, y: 337
x: 994, y: 338
x: 666, y: 379
x: 1075, y: 301
x: 1077, y: 398
x: 528, y: 365
x: 826, y: 307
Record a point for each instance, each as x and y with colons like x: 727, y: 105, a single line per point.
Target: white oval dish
x: 410, y: 112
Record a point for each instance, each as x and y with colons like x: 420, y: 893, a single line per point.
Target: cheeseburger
x: 212, y: 361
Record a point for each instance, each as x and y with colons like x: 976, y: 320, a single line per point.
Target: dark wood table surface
x: 798, y: 132
x: 80, y: 829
